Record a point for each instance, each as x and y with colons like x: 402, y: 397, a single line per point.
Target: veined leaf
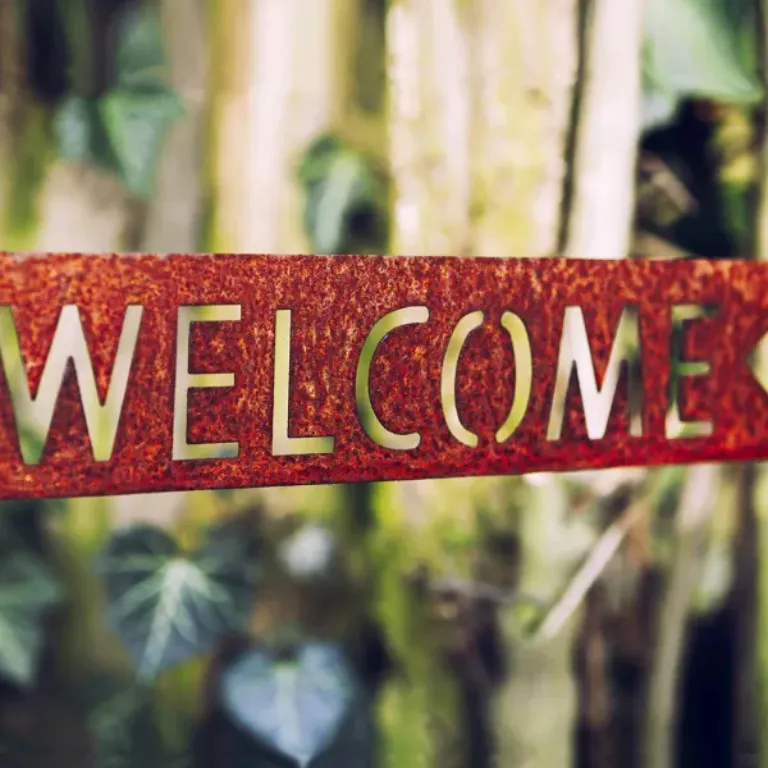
x: 123, y: 131
x: 138, y: 111
x: 297, y: 708
x: 136, y: 124
x: 28, y: 590
x: 74, y: 127
x: 123, y: 720
x: 167, y: 607
x: 114, y: 724
x: 345, y: 201
x: 140, y: 56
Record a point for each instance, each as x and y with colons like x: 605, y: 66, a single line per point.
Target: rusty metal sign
x: 150, y: 373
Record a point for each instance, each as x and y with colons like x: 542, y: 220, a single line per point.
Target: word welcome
x: 158, y: 373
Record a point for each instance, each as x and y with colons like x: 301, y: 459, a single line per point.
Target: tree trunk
x: 283, y: 78
x: 478, y: 160
x: 484, y: 102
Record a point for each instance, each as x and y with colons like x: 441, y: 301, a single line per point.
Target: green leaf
x: 28, y: 590
x: 124, y: 130
x: 695, y: 48
x: 167, y: 607
x: 114, y: 723
x: 296, y: 707
x: 73, y: 126
x: 140, y: 56
x: 136, y: 123
x: 345, y: 200
x: 81, y: 135
x: 123, y: 720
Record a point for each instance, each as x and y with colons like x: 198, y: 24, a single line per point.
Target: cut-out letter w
x: 68, y: 344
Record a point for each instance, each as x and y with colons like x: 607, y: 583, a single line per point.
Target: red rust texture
x: 335, y: 301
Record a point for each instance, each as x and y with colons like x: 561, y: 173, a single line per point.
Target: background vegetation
x: 567, y: 621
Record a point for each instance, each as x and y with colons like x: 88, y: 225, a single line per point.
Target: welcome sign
x: 149, y: 373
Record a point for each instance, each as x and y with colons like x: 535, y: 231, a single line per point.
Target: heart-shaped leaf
x: 115, y: 723
x: 136, y: 123
x: 28, y: 590
x: 123, y: 131
x: 140, y: 56
x: 74, y: 127
x: 167, y: 607
x: 345, y: 200
x: 296, y: 707
x: 123, y: 721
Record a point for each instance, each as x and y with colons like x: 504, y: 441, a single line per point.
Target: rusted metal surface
x: 335, y: 301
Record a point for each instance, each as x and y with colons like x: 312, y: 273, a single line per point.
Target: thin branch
x: 602, y: 553
x: 479, y: 591
x: 692, y: 523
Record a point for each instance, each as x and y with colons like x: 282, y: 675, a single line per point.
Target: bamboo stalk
x: 692, y: 520
x: 598, y: 216
x: 478, y: 160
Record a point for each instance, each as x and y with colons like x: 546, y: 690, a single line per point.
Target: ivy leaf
x: 140, y: 56
x: 345, y: 200
x: 167, y: 607
x: 28, y: 590
x: 73, y: 126
x: 296, y: 707
x: 115, y: 724
x: 124, y: 130
x: 694, y: 48
x: 139, y: 110
x: 136, y: 123
x: 123, y: 720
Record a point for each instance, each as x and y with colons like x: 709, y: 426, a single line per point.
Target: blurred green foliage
x: 698, y: 49
x: 168, y: 607
x: 345, y: 199
x: 121, y: 129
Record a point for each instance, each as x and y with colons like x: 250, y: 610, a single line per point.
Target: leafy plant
x: 28, y: 590
x: 345, y: 199
x: 120, y: 729
x: 306, y: 708
x: 124, y: 721
x: 167, y: 606
x: 123, y: 129
x: 697, y: 49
